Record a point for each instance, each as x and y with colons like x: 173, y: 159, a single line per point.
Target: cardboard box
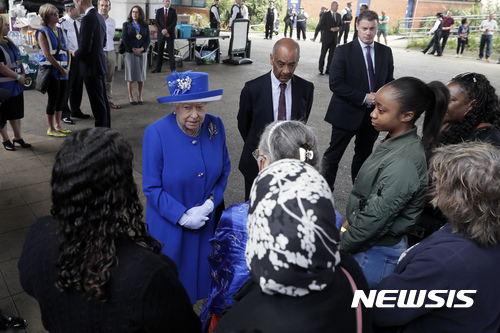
x: 183, y: 19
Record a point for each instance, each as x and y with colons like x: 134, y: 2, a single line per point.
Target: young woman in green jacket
x: 389, y: 191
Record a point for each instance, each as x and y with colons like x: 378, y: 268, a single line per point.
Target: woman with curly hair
x: 94, y: 255
x: 473, y: 112
x: 461, y: 257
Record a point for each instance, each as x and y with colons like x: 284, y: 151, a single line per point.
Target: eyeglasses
x: 256, y: 154
x: 55, y: 13
x: 135, y: 12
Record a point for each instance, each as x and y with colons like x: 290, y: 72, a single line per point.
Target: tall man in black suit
x: 355, y: 77
x: 93, y: 65
x: 329, y: 25
x: 165, y: 21
x: 259, y: 103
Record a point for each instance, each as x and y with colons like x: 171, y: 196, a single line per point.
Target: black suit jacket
x: 91, y: 45
x: 130, y: 40
x: 326, y: 23
x: 256, y: 111
x: 169, y: 25
x: 349, y: 83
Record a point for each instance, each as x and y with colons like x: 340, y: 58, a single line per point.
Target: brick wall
x: 395, y: 9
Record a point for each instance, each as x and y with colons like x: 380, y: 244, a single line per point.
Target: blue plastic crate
x: 184, y: 30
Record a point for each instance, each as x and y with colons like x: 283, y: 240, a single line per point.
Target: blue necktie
x: 371, y: 75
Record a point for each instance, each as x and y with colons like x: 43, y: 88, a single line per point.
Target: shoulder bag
x: 42, y: 78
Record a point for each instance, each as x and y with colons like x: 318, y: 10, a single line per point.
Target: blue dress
x: 180, y: 172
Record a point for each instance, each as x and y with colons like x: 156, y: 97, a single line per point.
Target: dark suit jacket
x: 129, y: 37
x: 326, y: 23
x: 349, y: 83
x: 169, y: 25
x: 91, y: 45
x: 256, y: 111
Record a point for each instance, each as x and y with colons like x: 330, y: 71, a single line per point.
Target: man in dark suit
x: 165, y: 21
x: 260, y: 103
x: 358, y: 70
x: 93, y: 65
x: 329, y: 24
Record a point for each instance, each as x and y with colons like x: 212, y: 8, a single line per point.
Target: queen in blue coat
x: 185, y: 170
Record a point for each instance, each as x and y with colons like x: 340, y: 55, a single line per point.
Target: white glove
x: 193, y: 221
x: 203, y: 210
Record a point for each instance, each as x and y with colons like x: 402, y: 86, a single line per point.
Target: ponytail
x: 414, y: 95
x: 435, y: 113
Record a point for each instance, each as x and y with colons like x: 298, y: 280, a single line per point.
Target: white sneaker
x: 460, y: 56
x: 457, y: 56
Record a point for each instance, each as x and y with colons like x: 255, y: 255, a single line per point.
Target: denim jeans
x: 488, y: 40
x: 380, y: 261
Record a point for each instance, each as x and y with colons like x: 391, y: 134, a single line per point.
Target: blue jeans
x: 488, y: 40
x: 380, y: 261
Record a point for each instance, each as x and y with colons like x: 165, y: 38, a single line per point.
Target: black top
x: 328, y: 310
x: 144, y: 292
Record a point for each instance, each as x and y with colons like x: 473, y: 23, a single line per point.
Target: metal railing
x: 416, y: 27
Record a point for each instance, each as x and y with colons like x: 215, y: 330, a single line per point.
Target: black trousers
x: 344, y: 30
x: 269, y: 28
x: 444, y: 38
x: 96, y: 90
x: 289, y: 24
x: 366, y: 136
x: 56, y: 92
x: 330, y: 48
x: 301, y: 27
x: 161, y: 50
x: 75, y: 90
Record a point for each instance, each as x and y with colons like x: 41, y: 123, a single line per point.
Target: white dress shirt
x: 110, y: 34
x: 275, y: 86
x: 215, y: 11
x: 69, y: 26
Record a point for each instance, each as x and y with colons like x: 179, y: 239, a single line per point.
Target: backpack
x: 348, y: 15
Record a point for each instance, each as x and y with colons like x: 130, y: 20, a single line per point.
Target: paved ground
x: 25, y: 173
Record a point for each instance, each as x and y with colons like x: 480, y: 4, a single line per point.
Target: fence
x: 416, y: 27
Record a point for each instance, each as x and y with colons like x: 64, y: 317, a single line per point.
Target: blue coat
x: 180, y: 172
x: 445, y: 261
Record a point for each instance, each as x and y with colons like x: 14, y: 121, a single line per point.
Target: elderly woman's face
x: 459, y: 104
x: 191, y: 115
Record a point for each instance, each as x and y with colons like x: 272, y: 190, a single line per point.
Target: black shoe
x: 172, y: 70
x: 80, y: 115
x: 321, y: 73
x: 156, y: 70
x: 424, y: 52
x: 68, y: 121
x: 11, y: 322
x: 20, y: 142
x: 8, y: 145
x: 327, y: 72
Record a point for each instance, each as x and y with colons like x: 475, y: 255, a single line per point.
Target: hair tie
x: 309, y: 154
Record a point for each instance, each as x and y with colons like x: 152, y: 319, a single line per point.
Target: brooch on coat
x: 213, y: 130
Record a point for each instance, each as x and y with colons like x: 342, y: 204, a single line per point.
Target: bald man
x: 260, y: 103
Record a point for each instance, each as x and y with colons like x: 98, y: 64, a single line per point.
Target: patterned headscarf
x: 292, y: 246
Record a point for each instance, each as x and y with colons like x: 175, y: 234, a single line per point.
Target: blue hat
x: 189, y: 87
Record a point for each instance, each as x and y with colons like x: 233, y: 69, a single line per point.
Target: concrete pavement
x: 25, y: 173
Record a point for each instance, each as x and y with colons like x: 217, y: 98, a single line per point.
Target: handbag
x: 42, y: 78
